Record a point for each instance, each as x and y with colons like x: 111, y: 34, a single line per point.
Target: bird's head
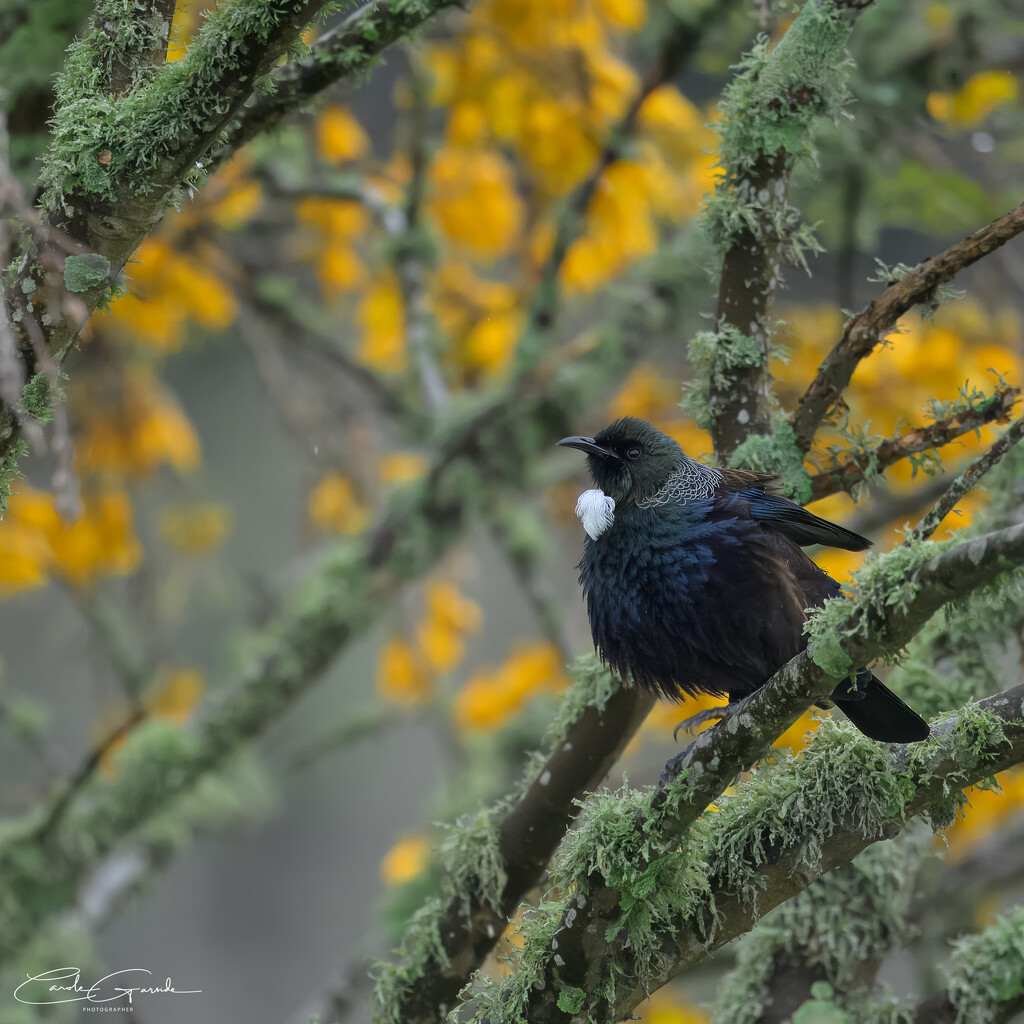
x: 629, y: 459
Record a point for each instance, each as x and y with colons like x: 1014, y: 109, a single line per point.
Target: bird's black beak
x: 588, y: 445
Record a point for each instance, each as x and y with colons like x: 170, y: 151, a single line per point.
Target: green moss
x: 471, y: 861
x: 593, y: 685
x: 665, y: 881
x: 422, y: 945
x: 715, y: 356
x: 570, y: 1000
x: 856, y: 914
x: 884, y: 582
x: 987, y: 970
x: 85, y: 272
x: 776, y: 453
x: 9, y: 464
x: 769, y: 109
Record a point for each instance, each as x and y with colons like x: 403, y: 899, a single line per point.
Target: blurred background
x: 267, y: 385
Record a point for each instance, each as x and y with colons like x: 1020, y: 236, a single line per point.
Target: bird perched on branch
x: 695, y: 581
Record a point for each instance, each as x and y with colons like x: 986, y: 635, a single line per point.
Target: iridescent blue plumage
x: 698, y: 584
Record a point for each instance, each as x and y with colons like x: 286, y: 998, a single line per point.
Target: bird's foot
x: 675, y: 765
x: 715, y: 714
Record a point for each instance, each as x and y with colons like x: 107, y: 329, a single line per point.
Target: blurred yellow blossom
x: 169, y: 288
x: 194, y: 528
x: 339, y: 136
x: 405, y: 860
x: 449, y: 617
x: 330, y: 230
x: 490, y: 698
x: 335, y: 505
x: 175, y: 695
x: 402, y: 467
x: 101, y: 542
x: 987, y: 811
x: 981, y: 94
x: 382, y: 325
x: 475, y: 201
x: 401, y: 675
x: 130, y: 425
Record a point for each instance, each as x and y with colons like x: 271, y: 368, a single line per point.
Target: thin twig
x: 868, y: 329
x: 860, y: 464
x: 968, y: 479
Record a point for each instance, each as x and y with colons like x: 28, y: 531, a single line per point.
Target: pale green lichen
x: 395, y: 978
x: 471, y: 861
x: 715, y: 357
x: 593, y: 685
x: 884, y: 582
x: 666, y: 881
x: 987, y: 970
x: 854, y: 915
x: 776, y: 453
x: 770, y: 108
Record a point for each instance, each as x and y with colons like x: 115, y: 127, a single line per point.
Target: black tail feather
x: 881, y: 715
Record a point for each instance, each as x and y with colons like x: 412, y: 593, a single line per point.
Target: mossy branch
x: 347, y: 50
x: 769, y: 112
x: 789, y: 825
x: 590, y: 943
x: 861, y: 465
x: 600, y: 718
x: 864, y: 332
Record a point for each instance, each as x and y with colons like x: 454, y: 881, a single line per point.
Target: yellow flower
x: 339, y: 136
x: 624, y: 14
x: 24, y: 555
x: 101, y: 542
x: 401, y: 676
x: 168, y: 290
x: 194, y: 528
x: 176, y: 695
x: 490, y: 698
x: 449, y: 616
x: 334, y: 505
x: 979, y: 96
x: 556, y: 144
x: 132, y: 427
x: 647, y: 392
x: 402, y: 467
x: 382, y: 323
x: 405, y: 860
x: 491, y: 342
x: 987, y: 811
x: 474, y: 200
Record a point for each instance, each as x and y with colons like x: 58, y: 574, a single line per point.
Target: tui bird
x: 695, y: 581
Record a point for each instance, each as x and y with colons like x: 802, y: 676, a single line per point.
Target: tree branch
x: 859, y: 465
x: 966, y: 481
x: 527, y: 837
x: 776, y: 102
x: 348, y: 48
x: 868, y: 329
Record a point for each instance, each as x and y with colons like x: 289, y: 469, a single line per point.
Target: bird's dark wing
x: 797, y: 524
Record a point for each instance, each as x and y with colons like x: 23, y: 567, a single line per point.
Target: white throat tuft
x: 596, y: 511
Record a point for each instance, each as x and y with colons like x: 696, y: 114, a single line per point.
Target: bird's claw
x: 697, y: 720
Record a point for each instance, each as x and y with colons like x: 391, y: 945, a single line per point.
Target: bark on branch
x: 846, y: 476
x: 868, y: 329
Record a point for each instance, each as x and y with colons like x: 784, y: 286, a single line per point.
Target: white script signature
x: 65, y: 986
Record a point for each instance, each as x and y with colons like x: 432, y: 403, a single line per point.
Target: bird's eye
x: 633, y: 453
